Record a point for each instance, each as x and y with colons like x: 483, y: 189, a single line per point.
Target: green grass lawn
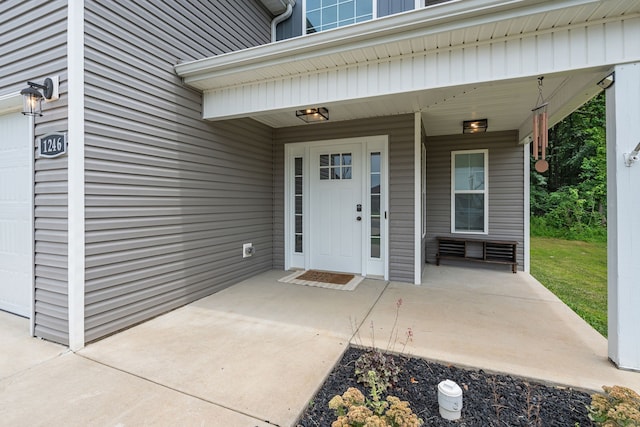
x: 577, y: 273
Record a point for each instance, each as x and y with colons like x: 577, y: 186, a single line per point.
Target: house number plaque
x: 52, y: 145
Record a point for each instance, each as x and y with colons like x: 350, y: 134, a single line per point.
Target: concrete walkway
x: 256, y: 353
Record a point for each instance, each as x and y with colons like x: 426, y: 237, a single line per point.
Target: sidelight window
x: 298, y: 184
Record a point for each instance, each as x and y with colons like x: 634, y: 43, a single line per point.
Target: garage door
x: 16, y: 211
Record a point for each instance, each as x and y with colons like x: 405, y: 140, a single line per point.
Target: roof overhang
x: 469, y: 57
x: 276, y: 7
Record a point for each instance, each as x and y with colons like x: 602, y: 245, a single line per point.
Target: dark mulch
x: 488, y: 399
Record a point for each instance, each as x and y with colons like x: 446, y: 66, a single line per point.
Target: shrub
x: 353, y: 410
x: 618, y: 407
x: 383, y: 365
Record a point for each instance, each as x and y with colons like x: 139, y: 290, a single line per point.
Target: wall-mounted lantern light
x: 310, y: 115
x: 33, y: 95
x: 474, y: 126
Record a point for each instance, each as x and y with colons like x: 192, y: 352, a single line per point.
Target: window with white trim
x: 469, y: 191
x: 324, y: 15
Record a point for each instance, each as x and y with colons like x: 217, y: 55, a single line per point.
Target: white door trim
x: 378, y: 143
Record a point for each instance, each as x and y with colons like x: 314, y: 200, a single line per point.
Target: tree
x: 571, y: 196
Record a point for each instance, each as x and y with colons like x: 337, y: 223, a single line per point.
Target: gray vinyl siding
x: 506, y: 187
x: 170, y: 198
x: 31, y: 51
x: 389, y: 7
x: 401, y: 178
x: 291, y: 27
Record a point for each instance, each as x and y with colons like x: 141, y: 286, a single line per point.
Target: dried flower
x: 353, y: 396
x: 360, y: 411
x: 620, y: 406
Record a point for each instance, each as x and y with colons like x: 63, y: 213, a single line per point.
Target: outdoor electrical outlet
x: 247, y: 250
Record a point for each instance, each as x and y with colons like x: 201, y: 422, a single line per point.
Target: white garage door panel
x: 16, y: 261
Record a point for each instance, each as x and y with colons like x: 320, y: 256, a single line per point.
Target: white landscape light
x: 450, y: 400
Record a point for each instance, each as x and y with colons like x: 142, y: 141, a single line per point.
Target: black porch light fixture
x: 474, y: 126
x: 311, y: 115
x: 33, y: 95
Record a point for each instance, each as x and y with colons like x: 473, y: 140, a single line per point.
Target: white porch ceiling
x: 506, y: 104
x: 454, y: 61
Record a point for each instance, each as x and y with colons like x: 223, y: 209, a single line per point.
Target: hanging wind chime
x: 540, y: 131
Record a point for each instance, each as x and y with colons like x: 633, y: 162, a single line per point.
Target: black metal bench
x: 479, y: 250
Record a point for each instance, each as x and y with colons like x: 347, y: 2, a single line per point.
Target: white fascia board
x: 202, y: 73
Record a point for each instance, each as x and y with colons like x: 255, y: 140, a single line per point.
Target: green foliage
x: 570, y: 200
x: 618, y: 407
x: 540, y: 228
x: 576, y: 272
x: 382, y: 365
x: 353, y: 410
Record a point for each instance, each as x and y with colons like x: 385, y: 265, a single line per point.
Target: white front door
x: 336, y: 195
x: 16, y: 210
x: 336, y: 203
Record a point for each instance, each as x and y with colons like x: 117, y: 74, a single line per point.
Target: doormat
x: 324, y: 279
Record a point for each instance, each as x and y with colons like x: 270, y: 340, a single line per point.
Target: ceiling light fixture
x: 474, y: 126
x: 311, y: 115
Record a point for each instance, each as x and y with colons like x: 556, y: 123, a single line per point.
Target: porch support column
x: 418, y: 257
x: 76, y: 133
x: 623, y: 205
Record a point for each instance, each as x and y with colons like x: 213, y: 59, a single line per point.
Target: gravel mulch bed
x: 488, y: 399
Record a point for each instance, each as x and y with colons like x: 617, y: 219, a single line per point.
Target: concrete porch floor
x: 255, y: 353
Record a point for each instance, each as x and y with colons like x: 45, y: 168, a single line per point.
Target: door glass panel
x: 375, y: 247
x: 346, y: 173
x: 375, y: 226
x: 375, y: 191
x: 298, y: 213
x: 375, y: 204
x: 335, y: 166
x: 375, y: 162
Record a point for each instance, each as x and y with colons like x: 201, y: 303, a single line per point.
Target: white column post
x: 623, y: 206
x: 527, y: 207
x: 417, y: 189
x: 75, y: 170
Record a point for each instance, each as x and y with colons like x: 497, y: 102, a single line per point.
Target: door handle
x: 358, y: 218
